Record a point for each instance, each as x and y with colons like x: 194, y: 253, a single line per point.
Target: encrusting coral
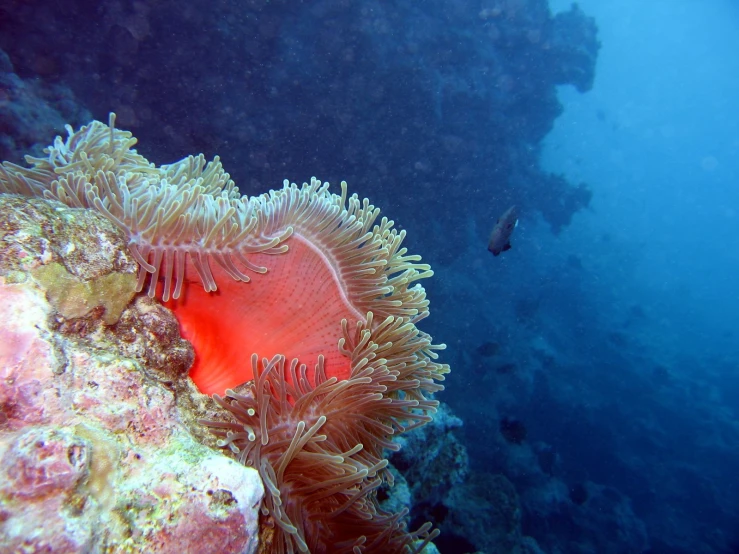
x: 323, y: 352
x: 97, y: 449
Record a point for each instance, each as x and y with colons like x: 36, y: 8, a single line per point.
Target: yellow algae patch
x: 74, y: 298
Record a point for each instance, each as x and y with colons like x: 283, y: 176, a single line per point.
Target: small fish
x: 500, y: 238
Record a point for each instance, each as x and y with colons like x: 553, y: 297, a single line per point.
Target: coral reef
x: 597, y: 516
x: 96, y: 452
x: 486, y: 509
x: 338, y: 366
x: 475, y: 511
x: 432, y: 459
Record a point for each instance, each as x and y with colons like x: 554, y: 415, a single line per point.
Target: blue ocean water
x: 635, y: 303
x: 662, y: 153
x: 594, y: 364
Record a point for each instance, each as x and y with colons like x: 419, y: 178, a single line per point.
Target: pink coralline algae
x: 98, y: 449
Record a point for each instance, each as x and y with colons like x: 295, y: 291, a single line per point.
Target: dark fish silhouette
x: 500, y: 238
x: 488, y: 349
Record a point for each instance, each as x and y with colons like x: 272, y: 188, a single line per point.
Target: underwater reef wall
x: 400, y: 100
x: 32, y: 110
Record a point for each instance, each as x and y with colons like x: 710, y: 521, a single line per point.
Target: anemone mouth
x: 296, y: 313
x: 338, y: 263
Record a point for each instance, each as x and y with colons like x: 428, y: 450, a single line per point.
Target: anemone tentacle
x: 337, y: 365
x: 319, y: 448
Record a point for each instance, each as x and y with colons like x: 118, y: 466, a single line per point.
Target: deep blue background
x: 595, y: 363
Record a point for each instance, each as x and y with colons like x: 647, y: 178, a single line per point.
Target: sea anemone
x: 318, y: 364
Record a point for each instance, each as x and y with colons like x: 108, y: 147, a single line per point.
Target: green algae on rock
x: 76, y: 256
x: 74, y: 298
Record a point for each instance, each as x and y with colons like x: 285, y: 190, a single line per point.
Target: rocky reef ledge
x: 100, y: 450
